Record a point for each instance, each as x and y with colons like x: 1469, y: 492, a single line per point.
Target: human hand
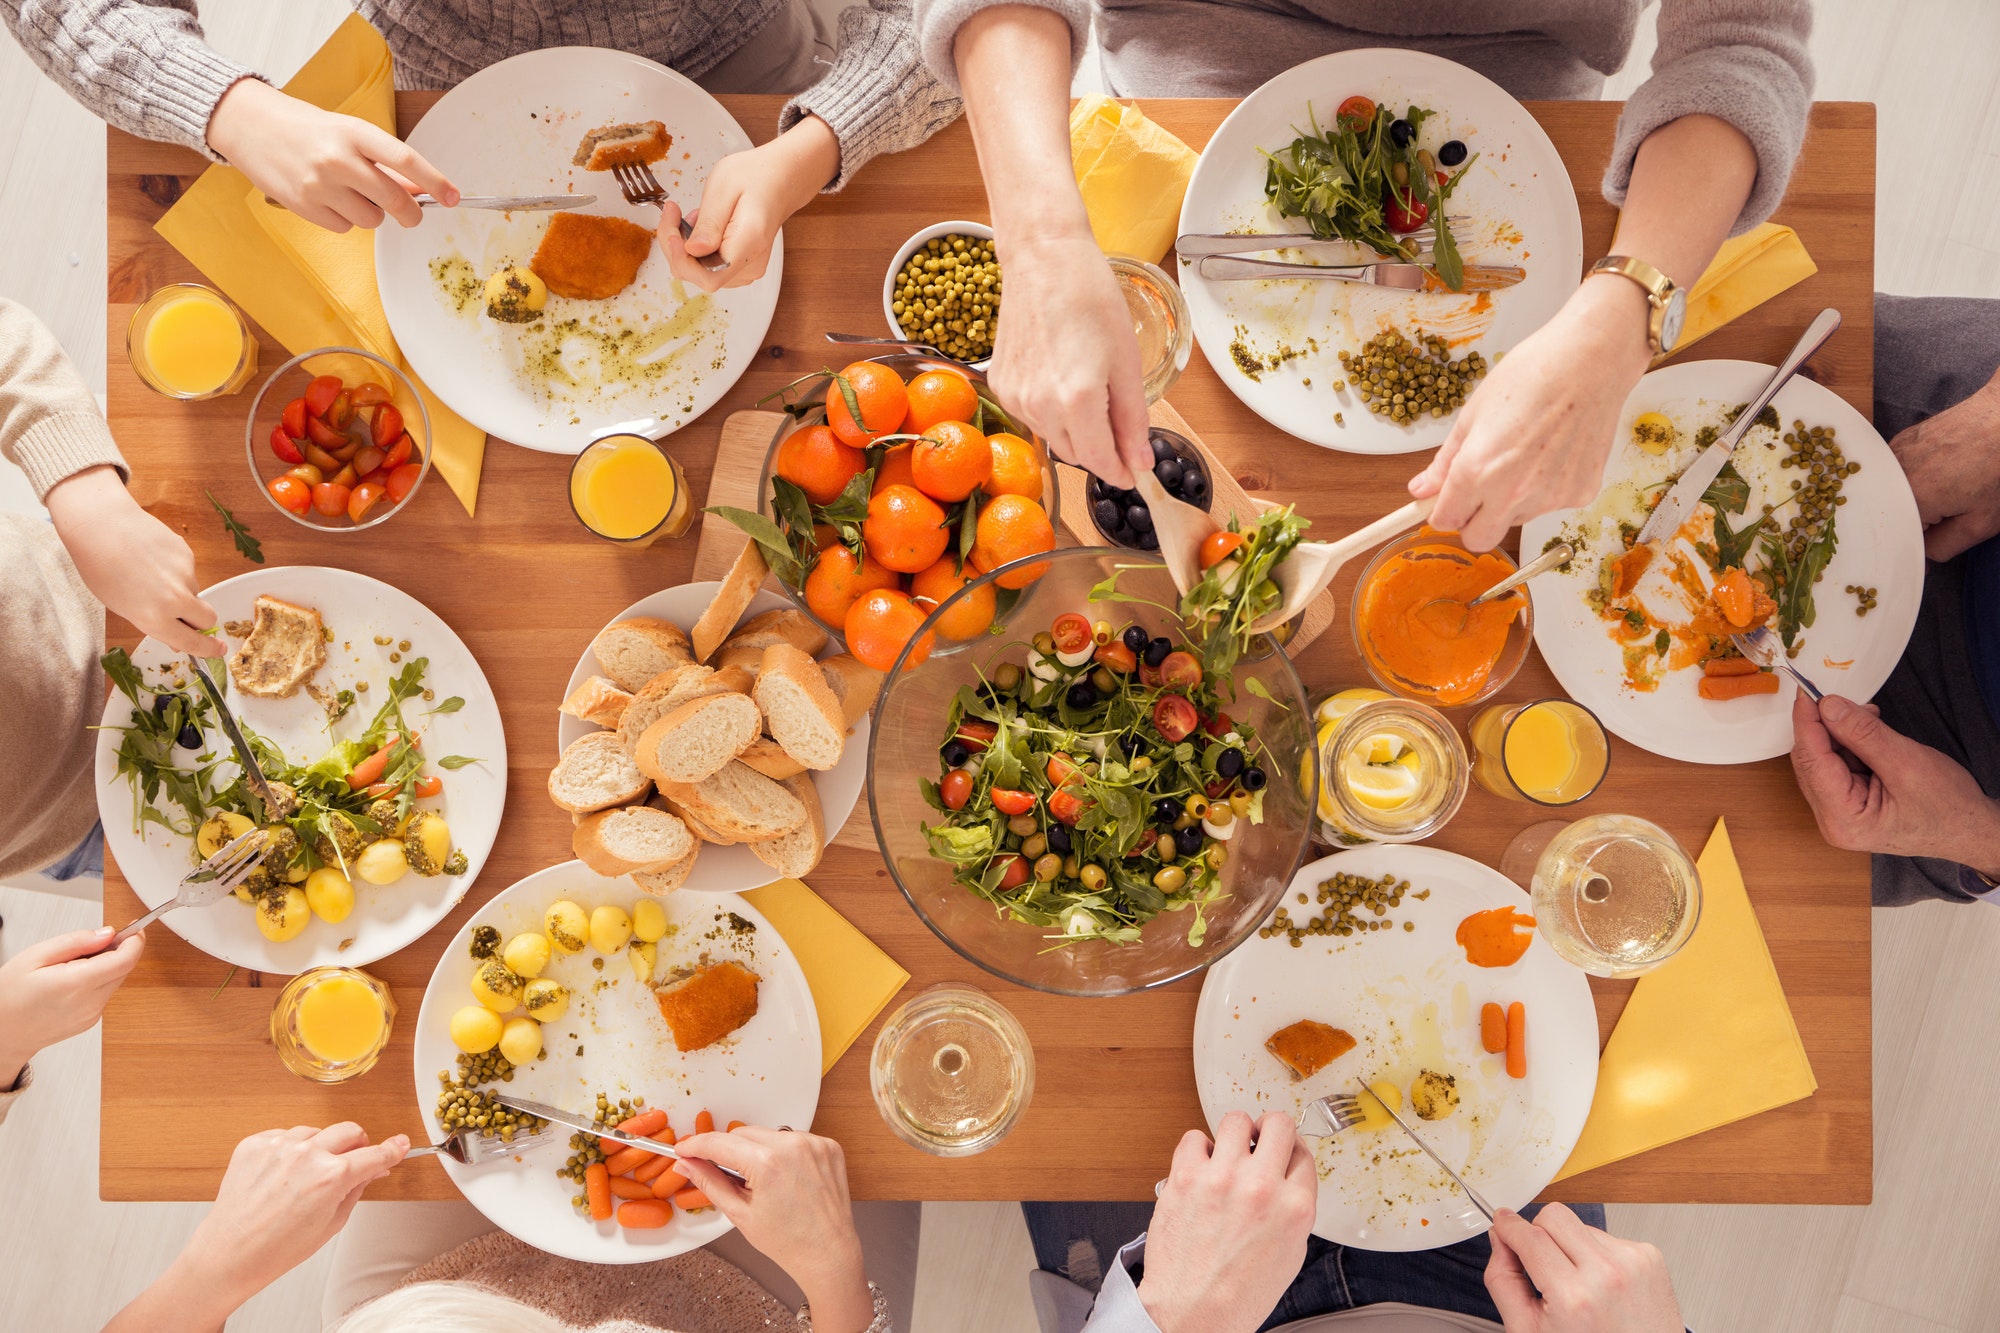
x: 1904, y: 799
x: 1535, y: 433
x: 746, y: 198
x: 1952, y: 462
x: 1558, y: 1274
x: 134, y: 564
x: 795, y: 1210
x: 56, y: 988
x: 333, y: 170
x: 1229, y: 1232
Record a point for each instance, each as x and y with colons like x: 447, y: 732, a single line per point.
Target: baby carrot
x: 597, y: 1187
x: 691, y: 1200
x: 624, y: 1187
x: 625, y: 1159
x: 655, y: 1166
x: 704, y: 1122
x: 1729, y: 666
x: 1517, y: 1040
x: 1493, y: 1029
x: 1736, y: 687
x: 734, y: 1125
x: 669, y: 1183
x: 645, y: 1124
x: 643, y: 1214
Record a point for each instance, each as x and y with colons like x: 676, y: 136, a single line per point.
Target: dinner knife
x: 1382, y: 273
x: 572, y: 1120
x: 1678, y: 503
x: 235, y: 734
x: 529, y: 203
x: 1470, y: 1193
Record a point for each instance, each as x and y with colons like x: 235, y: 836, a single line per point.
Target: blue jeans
x: 86, y: 858
x: 1078, y: 1239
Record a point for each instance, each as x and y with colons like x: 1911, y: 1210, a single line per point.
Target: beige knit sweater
x: 51, y: 628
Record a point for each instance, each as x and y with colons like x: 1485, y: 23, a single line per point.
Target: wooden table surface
x: 188, y: 1065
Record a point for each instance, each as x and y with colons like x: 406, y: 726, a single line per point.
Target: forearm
x: 1979, y: 845
x: 837, y: 1292
x: 185, y: 1299
x: 1013, y: 69
x: 1689, y: 183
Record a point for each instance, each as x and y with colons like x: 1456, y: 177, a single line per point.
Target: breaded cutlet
x: 703, y: 1008
x: 590, y: 258
x: 1308, y: 1046
x: 286, y: 644
x: 623, y: 145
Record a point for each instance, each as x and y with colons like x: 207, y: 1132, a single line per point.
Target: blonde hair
x: 446, y: 1307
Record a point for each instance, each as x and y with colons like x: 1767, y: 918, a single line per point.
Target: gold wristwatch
x: 1668, y: 302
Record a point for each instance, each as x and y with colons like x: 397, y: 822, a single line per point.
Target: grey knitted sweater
x: 142, y: 64
x: 1743, y: 61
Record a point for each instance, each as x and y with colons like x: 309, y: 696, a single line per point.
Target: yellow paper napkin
x: 1705, y: 1040
x: 1132, y: 175
x: 851, y: 979
x: 306, y: 286
x: 1747, y: 271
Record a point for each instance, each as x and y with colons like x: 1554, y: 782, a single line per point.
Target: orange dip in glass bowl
x: 1406, y: 648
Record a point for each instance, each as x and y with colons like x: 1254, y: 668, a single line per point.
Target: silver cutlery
x: 640, y: 186
x: 1764, y: 648
x: 251, y: 771
x: 1470, y: 1193
x: 871, y: 340
x: 214, y: 878
x: 1387, y: 273
x: 573, y: 1120
x: 1678, y: 503
x: 1447, y: 615
x: 518, y: 203
x: 1193, y: 245
x: 1329, y: 1115
x: 472, y: 1147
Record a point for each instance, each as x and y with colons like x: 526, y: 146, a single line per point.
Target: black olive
x: 1229, y: 763
x: 1157, y: 650
x: 1168, y: 470
x: 956, y: 752
x: 1059, y: 842
x: 190, y: 737
x: 1147, y: 541
x: 1163, y: 449
x: 1129, y: 744
x: 1452, y: 153
x: 160, y: 702
x: 1194, y: 488
x: 1106, y: 513
x: 1135, y: 639
x: 1083, y: 695
x: 1254, y: 778
x: 1402, y: 132
x: 1166, y: 809
x: 1140, y: 518
x: 1188, y: 841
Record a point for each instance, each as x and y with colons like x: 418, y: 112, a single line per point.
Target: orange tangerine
x: 894, y: 469
x: 1011, y: 528
x: 816, y: 461
x: 972, y: 616
x: 951, y: 461
x: 905, y: 529
x: 880, y: 623
x: 940, y: 395
x: 838, y: 580
x: 1017, y: 467
x: 880, y: 394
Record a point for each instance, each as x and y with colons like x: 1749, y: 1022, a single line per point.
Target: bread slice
x: 796, y: 853
x: 785, y: 625
x: 598, y: 702
x: 739, y: 586
x: 800, y: 710
x: 706, y: 1006
x: 661, y: 801
x: 769, y: 758
x: 662, y: 695
x: 286, y: 644
x: 664, y: 881
x: 629, y: 839
x: 596, y: 773
x: 854, y: 683
x: 699, y: 737
x: 740, y: 803
x: 634, y: 651
x: 741, y: 658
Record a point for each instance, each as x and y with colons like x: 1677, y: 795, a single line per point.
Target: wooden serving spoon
x: 1180, y: 527
x: 1310, y: 567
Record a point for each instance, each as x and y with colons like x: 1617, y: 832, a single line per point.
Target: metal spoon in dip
x: 1446, y: 616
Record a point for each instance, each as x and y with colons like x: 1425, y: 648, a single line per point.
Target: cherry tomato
x: 1180, y: 669
x: 285, y: 447
x: 380, y: 477
x: 362, y: 499
x: 387, y: 425
x: 294, y: 418
x: 1011, y: 802
x: 321, y: 459
x: 323, y: 435
x: 340, y: 411
x: 1117, y: 656
x: 1068, y: 806
x: 1218, y: 546
x: 402, y: 481
x: 1017, y: 871
x: 1174, y: 717
x: 1403, y: 211
x: 1149, y: 676
x: 1218, y: 726
x: 345, y: 476
x: 1218, y: 789
x: 345, y: 453
x: 367, y: 458
x: 308, y: 474
x: 1060, y: 771
x: 956, y: 789
x: 399, y: 453
x: 1071, y: 633
x: 367, y: 394
x: 330, y: 499
x: 292, y: 493
x: 320, y: 395
x: 977, y: 735
x: 1357, y: 111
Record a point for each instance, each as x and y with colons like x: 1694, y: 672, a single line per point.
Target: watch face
x: 1671, y: 320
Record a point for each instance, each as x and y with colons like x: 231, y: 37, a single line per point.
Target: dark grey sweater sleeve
x: 1743, y: 61
x: 141, y: 65
x: 938, y: 22
x: 878, y: 97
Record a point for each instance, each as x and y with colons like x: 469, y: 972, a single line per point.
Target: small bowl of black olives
x: 1122, y: 518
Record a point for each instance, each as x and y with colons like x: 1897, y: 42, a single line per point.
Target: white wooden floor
x: 1919, y: 1260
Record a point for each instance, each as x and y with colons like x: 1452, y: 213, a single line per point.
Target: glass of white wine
x: 1616, y: 895
x: 952, y: 1071
x: 1160, y: 320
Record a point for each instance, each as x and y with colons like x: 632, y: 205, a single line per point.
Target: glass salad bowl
x: 908, y: 746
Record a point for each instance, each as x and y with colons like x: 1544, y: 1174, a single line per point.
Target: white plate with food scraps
x: 733, y: 868
x: 359, y: 611
x: 612, y: 1040
x: 1412, y: 1002
x: 658, y: 354
x: 1514, y: 206
x: 1880, y: 545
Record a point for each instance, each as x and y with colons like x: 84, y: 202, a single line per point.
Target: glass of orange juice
x: 1548, y: 752
x: 186, y: 342
x: 628, y: 489
x: 332, y: 1023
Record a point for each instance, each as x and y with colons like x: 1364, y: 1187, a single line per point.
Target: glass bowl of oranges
x: 892, y: 484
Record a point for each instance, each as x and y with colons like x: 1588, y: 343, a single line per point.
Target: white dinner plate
x: 612, y: 1040
x: 359, y: 610
x: 1514, y: 206
x: 1880, y: 545
x: 511, y: 129
x: 1411, y: 1002
x: 731, y: 869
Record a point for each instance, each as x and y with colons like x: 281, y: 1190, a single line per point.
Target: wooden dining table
x: 188, y: 1063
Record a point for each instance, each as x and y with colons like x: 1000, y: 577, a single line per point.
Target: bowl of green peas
x: 944, y: 290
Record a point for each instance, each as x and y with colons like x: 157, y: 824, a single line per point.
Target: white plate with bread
x: 709, y: 755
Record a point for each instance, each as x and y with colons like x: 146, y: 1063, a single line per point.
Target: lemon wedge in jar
x: 1337, y: 706
x: 1381, y: 786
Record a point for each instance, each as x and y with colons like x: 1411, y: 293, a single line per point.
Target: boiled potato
x: 521, y: 1040
x: 217, y: 830
x: 610, y: 929
x: 476, y: 1028
x: 329, y: 894
x: 545, y: 999
x: 1433, y: 1096
x: 649, y: 920
x: 495, y: 987
x: 568, y: 927
x: 526, y: 954
x: 642, y: 955
x: 427, y: 842
x: 281, y: 916
x: 382, y: 862
x: 296, y: 873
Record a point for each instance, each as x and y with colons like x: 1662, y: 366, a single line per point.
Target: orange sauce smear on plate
x: 1497, y: 937
x: 1402, y: 642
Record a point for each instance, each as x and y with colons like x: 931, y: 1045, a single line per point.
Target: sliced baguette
x: 740, y: 657
x: 662, y: 695
x: 785, y: 625
x: 769, y: 758
x: 634, y: 651
x: 732, y: 599
x: 598, y: 702
x: 800, y: 711
x: 665, y: 881
x: 854, y: 683
x: 596, y: 773
x: 740, y: 803
x: 631, y: 839
x: 796, y: 853
x: 661, y: 801
x: 698, y: 738
x: 734, y: 677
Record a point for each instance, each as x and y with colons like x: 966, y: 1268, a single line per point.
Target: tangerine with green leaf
x: 951, y: 461
x: 880, y: 623
x: 838, y: 580
x: 1012, y: 527
x: 973, y: 615
x: 879, y: 393
x: 905, y: 529
x: 819, y: 463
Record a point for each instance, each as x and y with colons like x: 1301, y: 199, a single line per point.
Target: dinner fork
x: 1329, y: 1115
x: 212, y: 879
x: 640, y: 186
x: 1762, y: 647
x: 472, y: 1148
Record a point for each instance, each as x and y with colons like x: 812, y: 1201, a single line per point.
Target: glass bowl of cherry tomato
x: 338, y: 439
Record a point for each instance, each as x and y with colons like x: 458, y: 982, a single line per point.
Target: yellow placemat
x: 1705, y: 1040
x: 851, y: 979
x: 1132, y: 175
x: 1747, y: 271
x: 307, y: 286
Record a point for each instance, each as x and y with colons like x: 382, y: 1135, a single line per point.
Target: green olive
x: 1008, y: 675
x: 1048, y: 867
x: 1169, y: 879
x: 1033, y: 847
x: 1024, y: 825
x: 1092, y: 875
